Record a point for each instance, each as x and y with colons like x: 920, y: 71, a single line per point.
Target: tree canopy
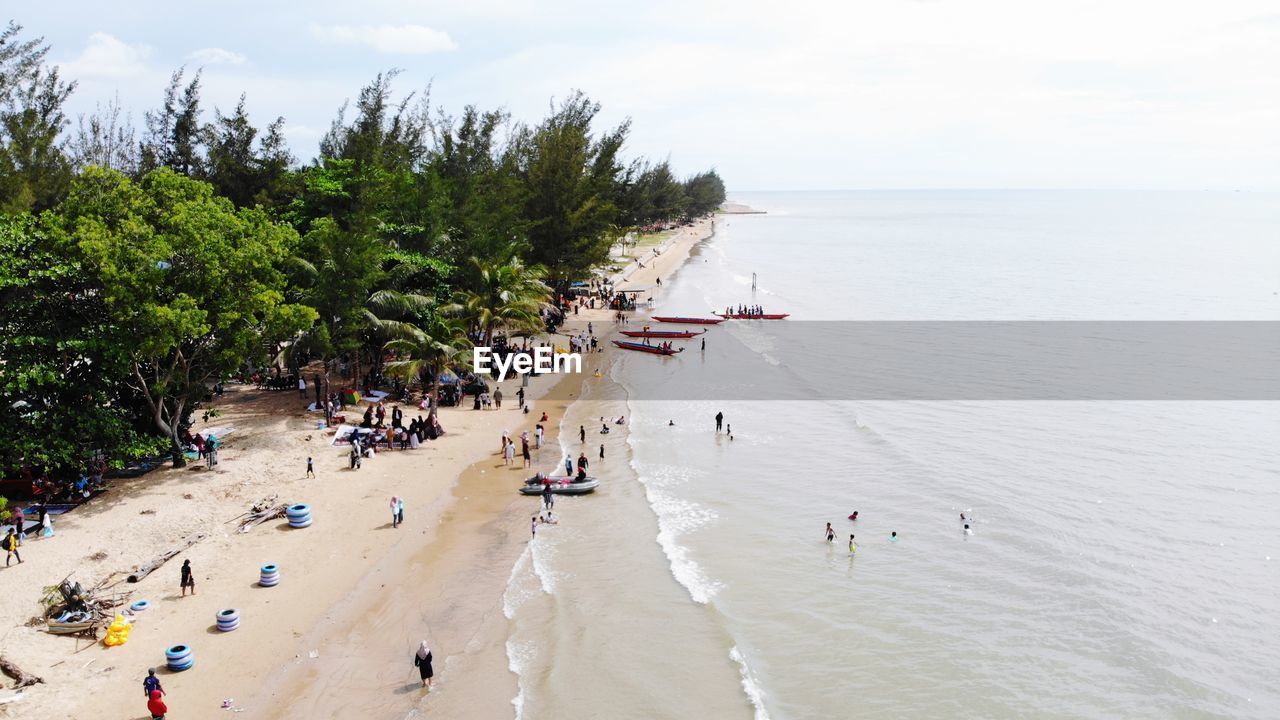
x: 139, y: 266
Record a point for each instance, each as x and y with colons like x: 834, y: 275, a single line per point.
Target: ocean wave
x: 519, y: 656
x: 518, y: 591
x: 676, y: 518
x: 750, y: 685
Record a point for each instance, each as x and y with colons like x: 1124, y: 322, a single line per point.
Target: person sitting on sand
x: 604, y: 429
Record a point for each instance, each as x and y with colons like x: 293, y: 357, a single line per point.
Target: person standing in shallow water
x: 422, y: 660
x: 831, y: 533
x: 853, y: 548
x: 719, y: 421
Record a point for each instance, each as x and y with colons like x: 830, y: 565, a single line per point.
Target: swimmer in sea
x: 831, y: 533
x: 967, y: 531
x: 853, y: 547
x: 854, y: 516
x: 671, y: 423
x: 961, y: 517
x: 893, y: 536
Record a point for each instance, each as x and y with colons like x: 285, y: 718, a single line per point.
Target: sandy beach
x: 335, y: 637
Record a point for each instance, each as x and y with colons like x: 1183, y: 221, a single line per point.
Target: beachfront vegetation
x: 138, y: 267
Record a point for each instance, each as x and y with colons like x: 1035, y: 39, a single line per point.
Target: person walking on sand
x: 524, y: 452
x: 719, y: 421
x: 582, y: 433
x: 11, y: 544
x: 187, y: 579
x: 601, y: 451
x: 533, y: 528
x: 831, y: 533
x: 537, y: 436
x: 422, y: 660
x: 509, y: 454
x: 151, y: 683
x: 395, y: 511
x: 311, y: 471
x: 497, y: 398
x: 156, y: 706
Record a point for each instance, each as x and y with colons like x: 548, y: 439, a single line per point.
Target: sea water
x: 1123, y: 559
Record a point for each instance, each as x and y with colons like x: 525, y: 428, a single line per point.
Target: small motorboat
x: 687, y: 320
x: 748, y: 316
x: 560, y: 485
x: 668, y: 334
x: 654, y: 349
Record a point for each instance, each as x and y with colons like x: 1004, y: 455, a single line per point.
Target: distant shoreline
x: 735, y: 208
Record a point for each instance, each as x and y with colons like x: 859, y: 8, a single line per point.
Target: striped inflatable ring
x: 228, y: 627
x: 184, y: 666
x: 178, y: 653
x: 140, y: 606
x: 229, y: 615
x: 298, y: 510
x: 300, y: 524
x: 270, y: 569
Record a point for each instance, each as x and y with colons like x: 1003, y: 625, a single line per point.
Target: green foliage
x: 159, y: 266
x: 63, y: 360
x: 195, y: 282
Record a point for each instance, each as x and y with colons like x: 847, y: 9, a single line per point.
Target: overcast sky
x: 777, y: 94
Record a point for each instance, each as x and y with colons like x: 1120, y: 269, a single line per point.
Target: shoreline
x: 455, y: 525
x: 462, y: 574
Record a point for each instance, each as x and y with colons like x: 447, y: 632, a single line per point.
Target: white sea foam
x: 519, y: 657
x: 676, y: 518
x: 749, y: 684
x: 518, y: 590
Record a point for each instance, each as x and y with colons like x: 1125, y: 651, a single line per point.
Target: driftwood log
x: 15, y: 672
x: 145, y: 570
x: 262, y: 516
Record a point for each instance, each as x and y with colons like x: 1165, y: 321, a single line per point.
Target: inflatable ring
x: 140, y: 606
x: 270, y: 569
x: 229, y: 627
x: 229, y: 615
x: 178, y: 653
x: 298, y: 510
x: 301, y: 524
x: 184, y: 666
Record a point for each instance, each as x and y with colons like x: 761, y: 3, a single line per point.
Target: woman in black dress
x: 423, y: 662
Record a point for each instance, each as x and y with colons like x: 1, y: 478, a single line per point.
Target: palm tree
x: 508, y: 296
x: 429, y: 344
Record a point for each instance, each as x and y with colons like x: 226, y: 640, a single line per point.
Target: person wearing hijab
x: 156, y: 706
x: 423, y: 662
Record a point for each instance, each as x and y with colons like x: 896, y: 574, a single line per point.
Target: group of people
x: 748, y: 310
x: 508, y: 449
x: 830, y: 532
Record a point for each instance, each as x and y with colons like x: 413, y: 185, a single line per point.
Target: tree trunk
x: 175, y: 446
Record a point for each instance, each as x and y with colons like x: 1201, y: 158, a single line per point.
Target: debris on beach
x: 262, y: 511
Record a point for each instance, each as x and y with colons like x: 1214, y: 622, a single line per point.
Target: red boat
x: 668, y: 334
x: 766, y: 316
x: 687, y: 320
x: 656, y: 350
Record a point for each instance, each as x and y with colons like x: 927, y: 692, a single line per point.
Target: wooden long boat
x: 687, y: 320
x: 677, y: 334
x: 656, y: 350
x: 766, y: 316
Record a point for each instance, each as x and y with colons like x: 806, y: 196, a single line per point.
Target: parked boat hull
x: 652, y: 349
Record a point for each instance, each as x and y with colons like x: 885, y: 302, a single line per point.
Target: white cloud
x: 217, y: 56
x: 108, y: 57
x: 391, y: 39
